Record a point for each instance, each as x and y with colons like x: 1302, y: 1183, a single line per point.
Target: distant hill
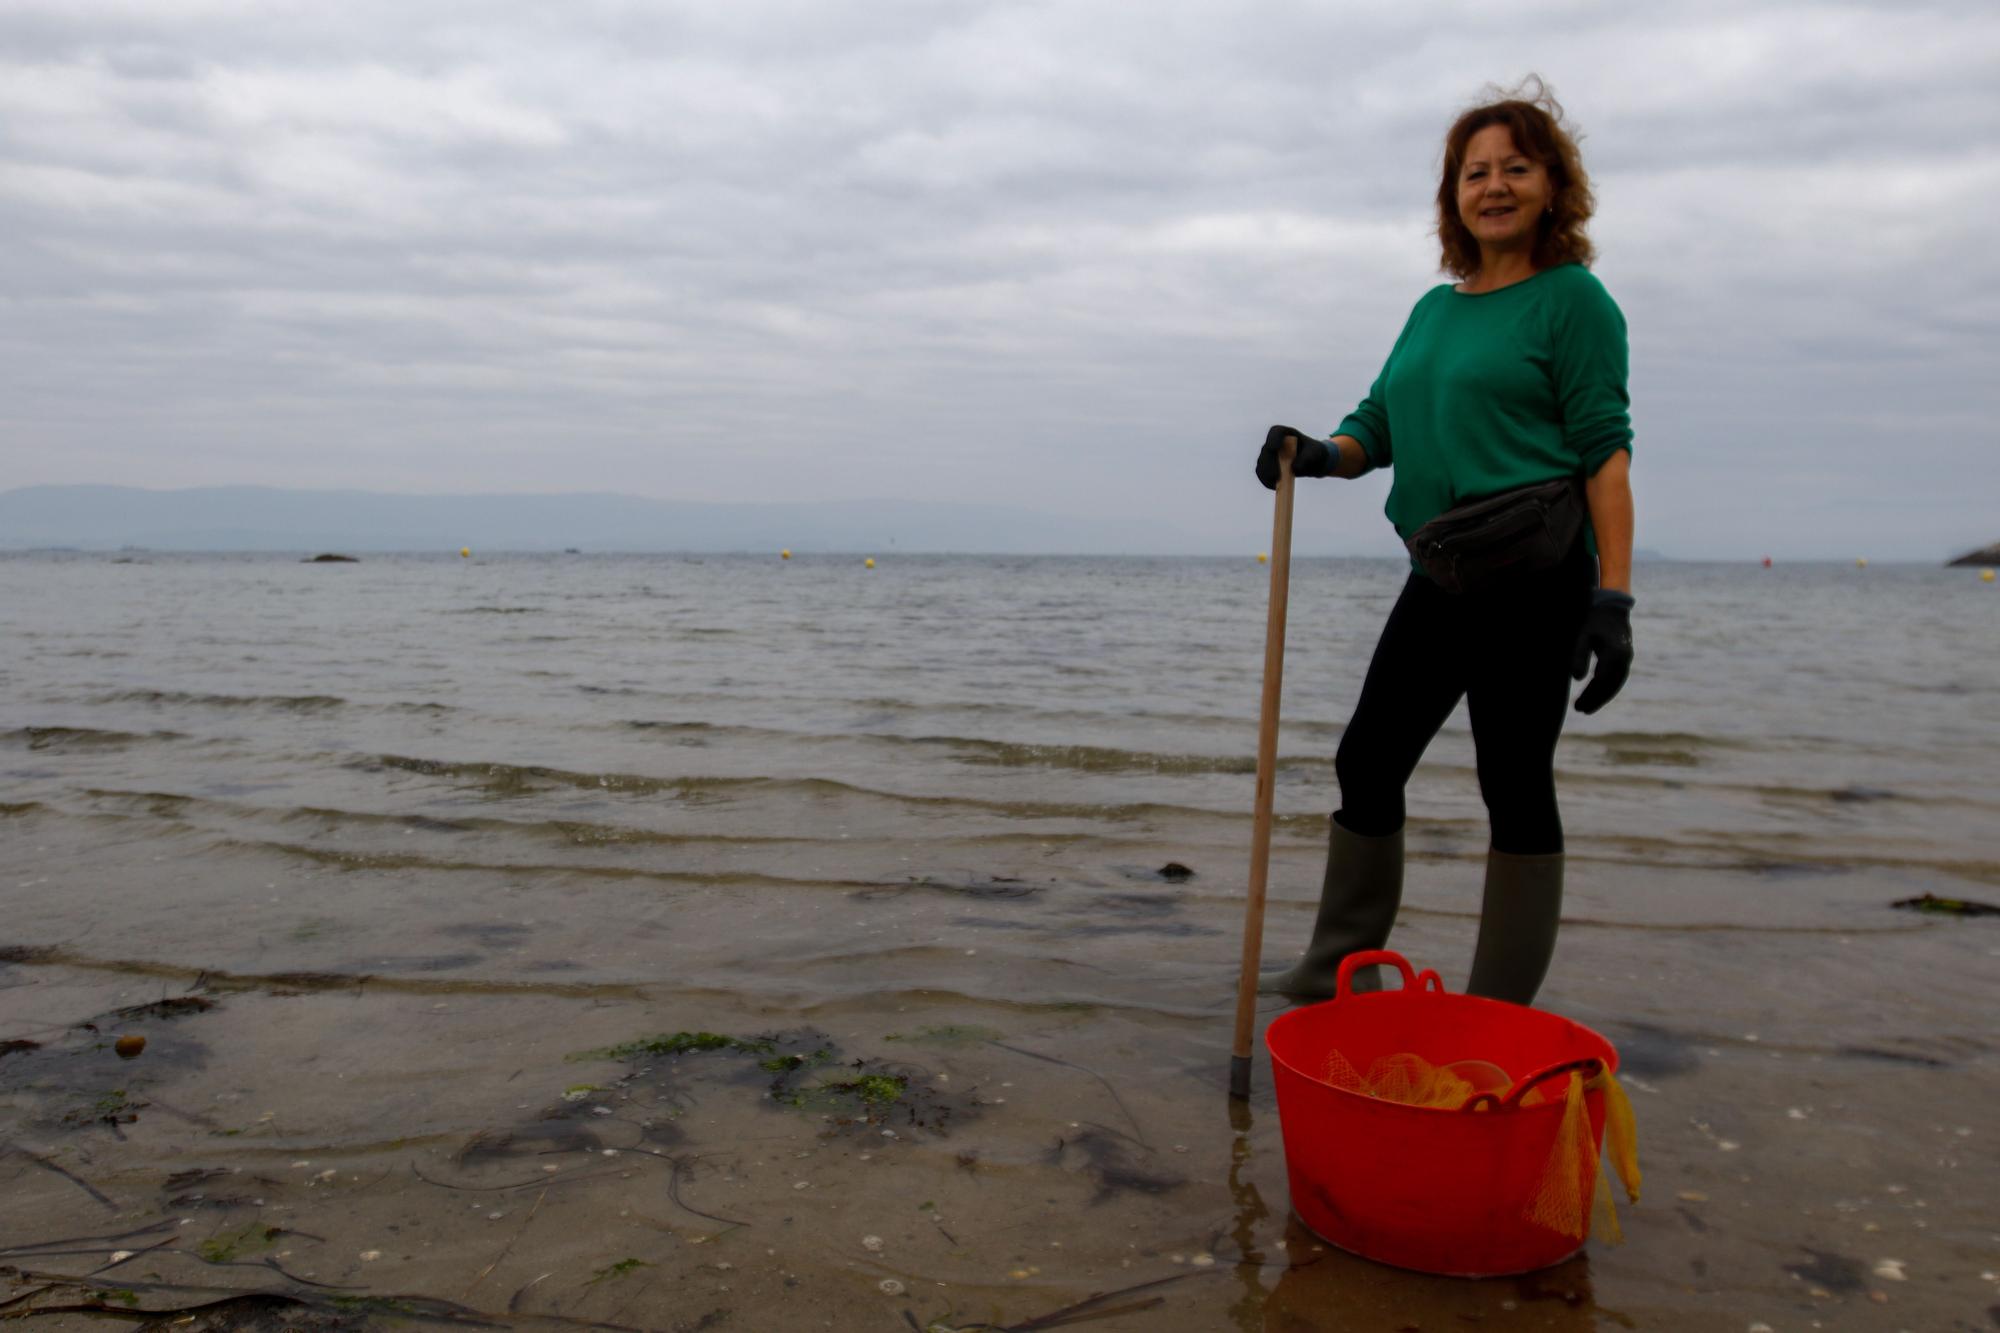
x: 1985, y: 555
x: 255, y: 518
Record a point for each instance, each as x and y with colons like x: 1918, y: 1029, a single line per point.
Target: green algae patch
x: 1934, y: 905
x: 382, y: 1306
x: 876, y: 1089
x: 115, y: 1107
x: 227, y: 1245
x: 863, y: 1097
x: 796, y: 1071
x: 678, y: 1043
x: 791, y: 1064
x: 618, y: 1270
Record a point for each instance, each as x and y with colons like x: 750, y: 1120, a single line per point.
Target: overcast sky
x: 1069, y: 256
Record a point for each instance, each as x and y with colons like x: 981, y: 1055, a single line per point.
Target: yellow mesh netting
x: 1558, y: 1203
x: 1415, y: 1081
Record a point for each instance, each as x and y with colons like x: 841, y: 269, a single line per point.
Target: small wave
x: 395, y: 861
x: 290, y: 703
x: 509, y: 780
x: 1099, y: 759
x: 1679, y: 740
x: 217, y: 979
x: 999, y: 754
x: 565, y: 832
x: 496, y: 611
x: 502, y: 780
x: 1013, y: 713
x: 159, y: 804
x: 82, y: 738
x: 11, y: 808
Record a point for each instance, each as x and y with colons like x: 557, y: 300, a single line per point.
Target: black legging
x: 1507, y: 653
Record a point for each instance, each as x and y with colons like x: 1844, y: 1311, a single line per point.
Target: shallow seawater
x: 434, y: 837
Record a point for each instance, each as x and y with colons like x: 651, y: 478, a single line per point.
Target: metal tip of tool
x: 1239, y: 1077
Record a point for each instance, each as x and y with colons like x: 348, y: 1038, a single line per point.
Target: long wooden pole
x: 1267, y: 776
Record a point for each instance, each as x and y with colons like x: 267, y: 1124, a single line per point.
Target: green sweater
x: 1485, y: 393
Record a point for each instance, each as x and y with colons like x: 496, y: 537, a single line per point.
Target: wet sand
x: 992, y: 1086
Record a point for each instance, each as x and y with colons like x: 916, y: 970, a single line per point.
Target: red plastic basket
x: 1418, y: 1187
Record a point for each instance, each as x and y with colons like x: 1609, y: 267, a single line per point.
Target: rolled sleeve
x: 1369, y: 421
x: 1591, y: 368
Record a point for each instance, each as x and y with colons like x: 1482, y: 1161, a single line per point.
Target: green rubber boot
x: 1357, y: 907
x: 1517, y: 926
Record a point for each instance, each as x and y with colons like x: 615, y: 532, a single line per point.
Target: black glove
x: 1607, y: 632
x: 1313, y: 459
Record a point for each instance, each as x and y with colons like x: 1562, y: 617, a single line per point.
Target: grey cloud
x: 1073, y: 256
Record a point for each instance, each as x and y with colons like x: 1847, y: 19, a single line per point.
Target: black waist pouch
x: 1476, y: 545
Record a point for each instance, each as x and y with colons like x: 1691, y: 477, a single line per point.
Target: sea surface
x: 426, y: 830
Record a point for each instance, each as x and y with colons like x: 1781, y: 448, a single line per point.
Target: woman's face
x: 1501, y: 191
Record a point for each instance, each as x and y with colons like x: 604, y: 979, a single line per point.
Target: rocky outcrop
x: 1985, y: 555
x: 330, y: 559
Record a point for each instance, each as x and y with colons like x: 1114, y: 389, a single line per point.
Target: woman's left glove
x: 1607, y: 632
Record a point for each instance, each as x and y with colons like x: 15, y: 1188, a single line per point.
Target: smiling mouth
x: 1500, y: 212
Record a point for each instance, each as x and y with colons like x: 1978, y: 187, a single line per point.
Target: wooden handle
x: 1267, y: 775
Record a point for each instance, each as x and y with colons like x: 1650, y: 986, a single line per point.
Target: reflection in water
x: 1246, y: 1312
x: 1322, y: 1288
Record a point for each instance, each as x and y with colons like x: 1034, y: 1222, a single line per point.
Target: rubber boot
x: 1517, y: 926
x: 1357, y: 907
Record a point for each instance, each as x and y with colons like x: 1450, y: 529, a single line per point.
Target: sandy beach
x: 1812, y: 1082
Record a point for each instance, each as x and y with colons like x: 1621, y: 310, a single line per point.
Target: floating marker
x: 869, y: 562
x: 465, y: 553
x: 1263, y: 559
x: 1767, y: 562
x: 1861, y: 562
x: 1986, y: 576
x: 785, y: 555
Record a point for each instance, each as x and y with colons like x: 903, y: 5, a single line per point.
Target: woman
x: 1505, y: 383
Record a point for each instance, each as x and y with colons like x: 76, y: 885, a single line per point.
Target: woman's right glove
x: 1607, y: 633
x: 1313, y: 459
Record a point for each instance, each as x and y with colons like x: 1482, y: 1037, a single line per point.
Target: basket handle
x: 1343, y: 986
x: 1590, y: 1067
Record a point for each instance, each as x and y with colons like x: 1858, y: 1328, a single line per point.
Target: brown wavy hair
x: 1535, y: 119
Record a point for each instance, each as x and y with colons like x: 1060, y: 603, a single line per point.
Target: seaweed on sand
x: 1117, y: 1162
x: 803, y: 1070
x: 678, y: 1043
x: 113, y: 1107
x: 173, y: 1006
x: 298, y: 1310
x: 1934, y: 905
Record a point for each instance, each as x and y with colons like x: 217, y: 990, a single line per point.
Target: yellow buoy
x: 869, y: 562
x: 1263, y: 559
x: 1861, y: 562
x: 785, y: 555
x: 465, y: 552
x: 1986, y: 576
